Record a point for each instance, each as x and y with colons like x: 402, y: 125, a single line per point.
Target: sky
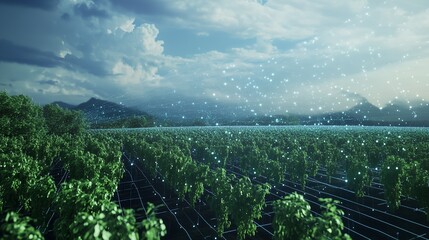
x: 273, y: 56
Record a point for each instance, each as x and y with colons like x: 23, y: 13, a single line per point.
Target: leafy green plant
x: 329, y: 225
x: 110, y: 222
x: 292, y: 217
x: 314, y: 156
x: 392, y: 173
x: 246, y: 205
x: 357, y: 174
x: 330, y: 158
x: 78, y: 196
x: 222, y: 186
x: 196, y: 177
x: 23, y: 184
x: 153, y: 227
x: 298, y: 167
x: 416, y: 184
x: 16, y: 227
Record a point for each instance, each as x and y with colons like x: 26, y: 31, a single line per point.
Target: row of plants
x: 189, y: 179
x: 359, y: 155
x: 33, y: 142
x: 234, y: 200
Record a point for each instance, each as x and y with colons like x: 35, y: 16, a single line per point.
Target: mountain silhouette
x: 187, y: 111
x: 365, y: 113
x: 98, y: 111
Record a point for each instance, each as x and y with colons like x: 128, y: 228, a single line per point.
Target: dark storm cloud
x: 88, y: 11
x: 149, y: 7
x: 41, y: 4
x: 11, y: 52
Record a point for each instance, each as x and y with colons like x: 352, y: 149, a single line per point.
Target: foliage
x: 416, y: 184
x: 109, y: 223
x: 78, y: 196
x: 129, y: 122
x: 196, y: 175
x: 221, y: 185
x: 23, y: 184
x: 297, y: 163
x: 153, y: 228
x: 93, y: 157
x: 197, y: 163
x: 28, y: 150
x: 16, y: 227
x: 329, y: 225
x: 247, y: 205
x: 268, y: 153
x: 357, y: 174
x: 61, y: 121
x: 293, y: 219
x: 392, y: 173
x: 20, y: 117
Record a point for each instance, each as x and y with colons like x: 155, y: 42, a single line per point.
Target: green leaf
x: 96, y: 230
x: 106, y: 235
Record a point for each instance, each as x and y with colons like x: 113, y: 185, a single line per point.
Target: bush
x: 61, y: 121
x: 20, y: 117
x: 16, y: 227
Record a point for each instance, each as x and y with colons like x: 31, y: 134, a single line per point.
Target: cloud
x: 129, y: 75
x: 150, y: 44
x: 149, y: 7
x: 94, y: 67
x: 41, y: 4
x: 86, y: 10
x: 128, y: 26
x: 11, y: 52
x: 46, y: 85
x: 278, y: 56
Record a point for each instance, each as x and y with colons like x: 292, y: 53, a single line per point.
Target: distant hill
x: 365, y: 113
x: 180, y: 111
x: 395, y: 114
x: 97, y: 111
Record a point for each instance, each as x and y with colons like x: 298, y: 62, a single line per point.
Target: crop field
x: 203, y: 176
x: 222, y: 183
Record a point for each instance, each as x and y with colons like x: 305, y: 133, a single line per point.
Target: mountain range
x: 395, y: 113
x: 185, y: 112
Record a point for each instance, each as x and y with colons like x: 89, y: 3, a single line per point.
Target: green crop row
x: 34, y: 143
x: 398, y: 157
x: 234, y: 200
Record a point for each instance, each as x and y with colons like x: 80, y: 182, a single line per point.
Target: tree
x: 60, y: 121
x: 20, y: 117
